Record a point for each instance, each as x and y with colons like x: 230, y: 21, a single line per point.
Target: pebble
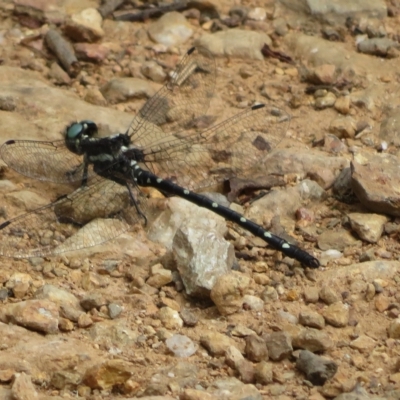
x: 394, y: 329
x: 181, y: 345
x: 369, y: 227
x: 329, y: 295
x: 159, y: 276
x: 256, y: 348
x: 172, y: 29
x: 228, y: 291
x: 170, y: 318
x: 311, y: 319
x: 342, y: 104
x: 216, y: 343
x: 317, y: 369
x: 85, y: 26
x: 364, y: 344
x: 326, y: 101
x: 253, y: 303
x: 38, y: 315
x: 343, y: 127
x: 313, y: 340
x: 337, y: 314
x: 263, y: 373
x: 279, y: 345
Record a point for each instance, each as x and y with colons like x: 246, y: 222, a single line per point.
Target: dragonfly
x: 169, y: 146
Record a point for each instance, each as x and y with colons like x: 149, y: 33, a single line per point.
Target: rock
x: 328, y: 295
x: 337, y: 314
x: 363, y: 343
x: 311, y: 319
x: 370, y: 179
x: 342, y: 104
x: 279, y: 345
x: 311, y: 295
x: 159, y: 276
x: 337, y: 240
x: 325, y: 101
x: 233, y: 357
x: 188, y: 317
x: 170, y: 318
x: 92, y: 300
x: 394, y: 329
x: 118, y: 90
x: 337, y: 13
x: 343, y: 127
x: 257, y: 14
x: 231, y: 388
x: 263, y: 373
x: 380, y: 47
x: 114, y: 310
x: 172, y: 29
x: 108, y: 374
x: 256, y: 349
x: 38, y: 315
x: 312, y: 340
x: 369, y: 227
x: 23, y: 388
x: 253, y: 303
x: 228, y: 291
x: 216, y: 343
x: 316, y: 369
x: 202, y: 257
x: 93, y: 52
x: 235, y: 43
x: 181, y: 345
x: 85, y: 26
x: 153, y: 71
x: 19, y: 283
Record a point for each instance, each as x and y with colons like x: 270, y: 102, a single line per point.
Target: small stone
x: 159, y: 276
x: 84, y: 321
x: 369, y: 227
x: 256, y: 349
x: 311, y: 319
x: 246, y: 371
x: 108, y: 374
x: 65, y: 325
x: 263, y: 373
x: 316, y: 369
x: 394, y: 329
x: 228, y: 292
x: 342, y: 104
x: 170, y: 318
x: 279, y: 345
x: 216, y: 343
x: 337, y: 314
x: 326, y: 101
x: 188, y: 317
x: 92, y: 300
x: 153, y: 71
x: 363, y: 343
x: 253, y: 303
x: 23, y: 388
x: 382, y: 302
x: 343, y: 127
x: 313, y: 340
x: 311, y: 294
x: 269, y: 294
x: 328, y: 295
x: 114, y: 310
x: 233, y: 357
x: 257, y: 14
x: 85, y: 26
x: 181, y: 345
x: 324, y: 74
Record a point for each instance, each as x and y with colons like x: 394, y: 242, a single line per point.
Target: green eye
x: 75, y: 130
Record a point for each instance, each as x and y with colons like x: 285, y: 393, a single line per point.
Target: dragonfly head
x: 78, y: 131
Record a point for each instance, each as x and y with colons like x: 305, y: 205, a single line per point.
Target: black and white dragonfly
x: 164, y: 148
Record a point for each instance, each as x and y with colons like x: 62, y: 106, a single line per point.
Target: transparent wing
x: 56, y: 228
x: 45, y: 161
x: 231, y: 148
x: 180, y: 103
